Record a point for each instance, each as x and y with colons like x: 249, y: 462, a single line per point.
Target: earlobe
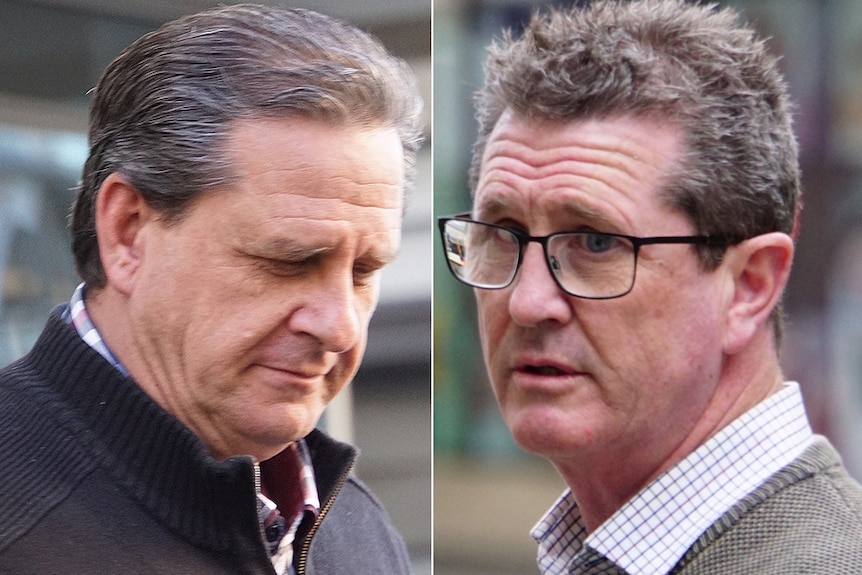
x: 760, y: 267
x: 121, y: 213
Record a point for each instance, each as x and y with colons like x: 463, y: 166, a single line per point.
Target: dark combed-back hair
x: 163, y: 108
x: 697, y: 66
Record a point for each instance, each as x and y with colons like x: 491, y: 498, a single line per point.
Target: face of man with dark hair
x: 251, y: 313
x: 617, y: 382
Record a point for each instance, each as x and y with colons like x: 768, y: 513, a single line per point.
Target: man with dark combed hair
x: 635, y: 203
x: 244, y: 187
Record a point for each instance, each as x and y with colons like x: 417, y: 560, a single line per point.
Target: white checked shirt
x: 654, y: 529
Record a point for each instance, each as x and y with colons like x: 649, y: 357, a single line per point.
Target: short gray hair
x: 163, y: 108
x: 697, y: 66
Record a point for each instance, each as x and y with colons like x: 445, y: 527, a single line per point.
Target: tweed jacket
x: 806, y: 519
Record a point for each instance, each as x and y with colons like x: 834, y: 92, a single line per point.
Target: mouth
x: 546, y: 370
x: 294, y: 374
x: 544, y: 367
x: 545, y: 376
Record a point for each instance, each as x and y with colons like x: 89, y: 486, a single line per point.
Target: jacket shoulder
x: 43, y: 459
x: 805, y: 519
x: 357, y: 537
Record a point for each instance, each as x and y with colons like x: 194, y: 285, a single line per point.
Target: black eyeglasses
x: 591, y: 265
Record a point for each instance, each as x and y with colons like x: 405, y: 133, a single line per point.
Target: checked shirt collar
x: 654, y: 529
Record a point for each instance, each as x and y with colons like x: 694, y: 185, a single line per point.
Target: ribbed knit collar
x: 158, y: 461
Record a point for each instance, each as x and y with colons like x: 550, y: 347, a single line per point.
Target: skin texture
x: 614, y: 392
x: 245, y: 318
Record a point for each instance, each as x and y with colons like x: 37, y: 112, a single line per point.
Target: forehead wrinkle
x: 571, y: 158
x: 501, y: 194
x: 526, y: 158
x: 383, y: 195
x: 382, y: 215
x: 544, y: 142
x: 376, y: 218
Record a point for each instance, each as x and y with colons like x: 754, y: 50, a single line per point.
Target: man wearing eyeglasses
x: 636, y: 190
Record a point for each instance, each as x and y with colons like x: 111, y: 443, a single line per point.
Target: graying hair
x: 163, y: 108
x: 697, y: 66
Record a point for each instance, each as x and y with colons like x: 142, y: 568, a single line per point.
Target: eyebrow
x: 288, y: 250
x: 491, y: 208
x: 377, y: 260
x: 590, y: 215
x: 500, y: 206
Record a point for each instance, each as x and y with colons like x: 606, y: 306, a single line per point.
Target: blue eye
x: 599, y: 243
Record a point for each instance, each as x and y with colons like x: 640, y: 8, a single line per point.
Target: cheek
x: 493, y: 323
x: 633, y: 341
x: 672, y: 340
x: 348, y: 363
x: 492, y: 319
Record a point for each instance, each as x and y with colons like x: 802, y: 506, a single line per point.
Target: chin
x: 532, y: 441
x: 545, y: 434
x: 528, y: 432
x: 278, y: 427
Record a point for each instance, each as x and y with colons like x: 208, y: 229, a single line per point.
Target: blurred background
x: 51, y: 53
x: 487, y: 493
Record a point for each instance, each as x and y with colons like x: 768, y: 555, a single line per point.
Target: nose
x: 330, y: 314
x: 535, y: 297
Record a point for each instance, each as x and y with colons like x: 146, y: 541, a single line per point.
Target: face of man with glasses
x: 601, y: 331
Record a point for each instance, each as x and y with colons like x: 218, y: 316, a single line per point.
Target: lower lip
x: 292, y: 379
x: 546, y: 383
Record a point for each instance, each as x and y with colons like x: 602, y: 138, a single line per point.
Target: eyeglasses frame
x: 525, y: 239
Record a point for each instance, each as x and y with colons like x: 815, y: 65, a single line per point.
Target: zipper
x: 306, y: 544
x: 256, y: 478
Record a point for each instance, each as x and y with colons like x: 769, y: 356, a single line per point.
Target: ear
x: 121, y: 215
x: 760, y: 268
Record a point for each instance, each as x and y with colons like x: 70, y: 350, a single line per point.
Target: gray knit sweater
x: 806, y: 519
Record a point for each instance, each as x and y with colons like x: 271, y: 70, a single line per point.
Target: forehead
x: 320, y: 159
x: 298, y: 180
x: 597, y: 168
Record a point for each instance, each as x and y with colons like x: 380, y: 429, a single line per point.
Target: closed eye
x: 364, y: 277
x: 365, y: 271
x: 289, y: 265
x: 286, y: 268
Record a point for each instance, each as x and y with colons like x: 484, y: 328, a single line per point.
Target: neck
x: 603, y: 482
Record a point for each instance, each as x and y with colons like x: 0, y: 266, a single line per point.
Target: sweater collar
x: 156, y: 459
